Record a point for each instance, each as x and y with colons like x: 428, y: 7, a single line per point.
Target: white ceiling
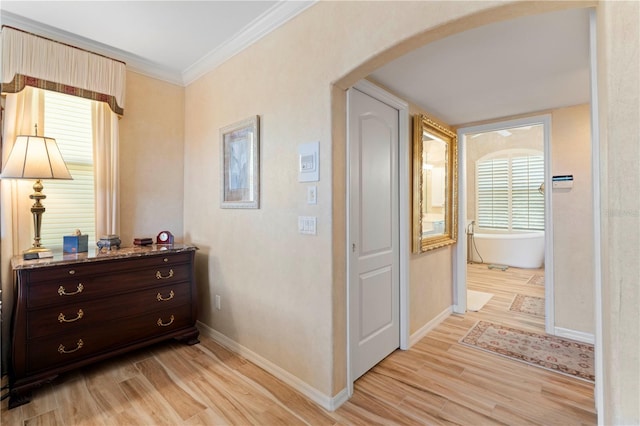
x: 177, y: 41
x: 508, y: 68
x: 513, y: 67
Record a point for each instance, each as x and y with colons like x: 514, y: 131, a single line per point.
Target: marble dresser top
x: 97, y: 255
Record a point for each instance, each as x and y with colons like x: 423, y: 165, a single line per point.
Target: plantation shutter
x: 507, y: 192
x: 70, y: 204
x: 493, y: 193
x: 527, y: 203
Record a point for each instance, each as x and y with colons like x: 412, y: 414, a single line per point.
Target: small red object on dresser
x: 142, y: 241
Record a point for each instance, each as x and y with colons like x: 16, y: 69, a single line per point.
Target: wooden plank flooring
x: 437, y: 382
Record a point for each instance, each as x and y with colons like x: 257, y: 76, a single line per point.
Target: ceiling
x: 508, y: 68
x: 513, y: 67
x: 176, y: 41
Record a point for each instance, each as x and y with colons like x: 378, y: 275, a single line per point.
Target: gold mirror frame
x: 448, y: 223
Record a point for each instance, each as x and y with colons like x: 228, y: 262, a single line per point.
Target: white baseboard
x: 580, y: 336
x: 415, y: 337
x: 326, y: 402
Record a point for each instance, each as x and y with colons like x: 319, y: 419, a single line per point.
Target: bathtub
x: 520, y: 250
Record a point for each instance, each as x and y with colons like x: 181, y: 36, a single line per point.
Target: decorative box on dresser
x: 73, y: 310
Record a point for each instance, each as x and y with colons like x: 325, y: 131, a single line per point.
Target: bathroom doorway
x: 504, y: 170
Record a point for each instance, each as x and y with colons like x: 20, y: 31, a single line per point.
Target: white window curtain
x: 28, y: 59
x: 22, y: 111
x: 105, y: 166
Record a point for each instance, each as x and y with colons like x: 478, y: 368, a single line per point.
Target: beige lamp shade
x: 35, y: 157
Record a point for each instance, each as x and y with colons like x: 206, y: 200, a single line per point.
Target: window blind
x: 527, y: 204
x: 507, y: 192
x: 70, y: 204
x: 493, y: 193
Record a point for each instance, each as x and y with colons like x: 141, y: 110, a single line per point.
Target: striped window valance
x: 30, y: 60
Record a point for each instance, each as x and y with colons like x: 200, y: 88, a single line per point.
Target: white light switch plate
x: 307, y: 225
x: 309, y: 162
x: 312, y: 194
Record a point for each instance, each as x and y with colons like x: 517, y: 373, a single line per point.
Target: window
x: 70, y: 204
x: 507, y: 191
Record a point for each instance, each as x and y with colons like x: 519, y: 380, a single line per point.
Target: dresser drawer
x: 107, y: 266
x: 48, y: 352
x: 70, y: 312
x: 77, y: 289
x: 78, y: 315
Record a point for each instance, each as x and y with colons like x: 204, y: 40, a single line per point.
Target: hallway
x: 438, y: 381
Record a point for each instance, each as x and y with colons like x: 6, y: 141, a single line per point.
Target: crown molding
x: 273, y: 18
x: 276, y: 16
x: 134, y: 62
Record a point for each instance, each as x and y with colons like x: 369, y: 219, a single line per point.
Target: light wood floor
x: 437, y: 382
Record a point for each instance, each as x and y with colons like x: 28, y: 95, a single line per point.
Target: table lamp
x: 35, y: 157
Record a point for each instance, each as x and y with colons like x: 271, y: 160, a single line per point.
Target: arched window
x: 507, y: 190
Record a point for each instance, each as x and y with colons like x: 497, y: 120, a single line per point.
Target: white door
x: 374, y: 277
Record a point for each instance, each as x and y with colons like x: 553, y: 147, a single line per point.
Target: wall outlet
x: 218, y: 302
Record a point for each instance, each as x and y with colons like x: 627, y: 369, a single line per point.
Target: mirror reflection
x: 434, y: 156
x: 435, y: 176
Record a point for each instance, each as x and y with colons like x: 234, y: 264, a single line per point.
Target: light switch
x: 307, y: 225
x: 312, y: 194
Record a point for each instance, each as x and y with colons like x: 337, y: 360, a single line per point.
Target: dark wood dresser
x: 73, y: 310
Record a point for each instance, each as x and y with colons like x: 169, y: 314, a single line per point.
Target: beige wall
x: 573, y: 220
x: 430, y: 273
x: 151, y: 159
x: 619, y: 129
x: 282, y: 295
x: 277, y: 286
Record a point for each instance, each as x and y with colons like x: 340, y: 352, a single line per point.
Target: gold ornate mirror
x: 435, y: 178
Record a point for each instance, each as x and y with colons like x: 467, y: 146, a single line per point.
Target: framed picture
x: 240, y: 168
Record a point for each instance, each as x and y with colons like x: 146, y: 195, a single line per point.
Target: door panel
x: 375, y: 292
x: 376, y: 145
x: 374, y: 278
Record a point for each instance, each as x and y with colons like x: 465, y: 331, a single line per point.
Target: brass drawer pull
x: 62, y: 350
x: 163, y: 299
x: 161, y: 324
x: 161, y: 277
x: 63, y: 292
x: 62, y: 318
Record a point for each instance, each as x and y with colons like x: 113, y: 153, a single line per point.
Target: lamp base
x: 36, y: 250
x: 37, y: 253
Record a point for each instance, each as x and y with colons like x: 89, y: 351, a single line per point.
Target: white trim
x: 425, y: 329
x: 326, y: 402
x: 460, y: 251
x: 273, y: 18
x: 580, y: 336
x: 404, y: 200
x: 278, y: 15
x: 549, y: 282
x: 597, y: 236
x: 460, y: 274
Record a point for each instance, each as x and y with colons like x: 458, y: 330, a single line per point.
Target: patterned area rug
x: 552, y: 353
x: 528, y: 304
x: 536, y: 279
